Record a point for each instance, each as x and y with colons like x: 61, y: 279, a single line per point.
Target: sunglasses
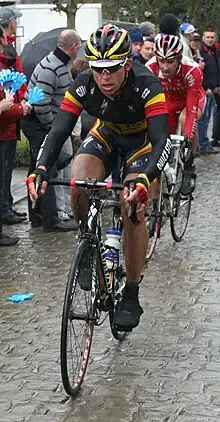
x: 110, y: 69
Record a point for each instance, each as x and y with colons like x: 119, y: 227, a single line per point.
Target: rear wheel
x: 79, y: 316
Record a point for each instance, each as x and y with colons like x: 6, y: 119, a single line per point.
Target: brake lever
x: 38, y: 186
x: 132, y: 207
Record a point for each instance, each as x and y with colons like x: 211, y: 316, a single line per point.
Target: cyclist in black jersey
x: 129, y: 104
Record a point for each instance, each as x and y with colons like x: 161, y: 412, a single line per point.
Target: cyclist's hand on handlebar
x: 140, y: 193
x: 39, y: 175
x: 188, y: 157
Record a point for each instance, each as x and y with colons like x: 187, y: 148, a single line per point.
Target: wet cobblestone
x: 167, y: 370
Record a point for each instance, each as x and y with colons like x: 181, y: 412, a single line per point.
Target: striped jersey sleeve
x: 75, y: 96
x: 154, y: 99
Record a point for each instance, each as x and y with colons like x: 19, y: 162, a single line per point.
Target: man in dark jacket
x: 210, y: 52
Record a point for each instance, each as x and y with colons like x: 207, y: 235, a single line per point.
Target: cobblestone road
x: 169, y: 367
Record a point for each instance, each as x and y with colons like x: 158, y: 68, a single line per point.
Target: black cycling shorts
x: 106, y: 144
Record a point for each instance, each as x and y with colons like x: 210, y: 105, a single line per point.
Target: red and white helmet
x: 168, y: 47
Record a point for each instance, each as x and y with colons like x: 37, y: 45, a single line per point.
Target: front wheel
x: 79, y: 315
x: 179, y: 221
x: 180, y: 210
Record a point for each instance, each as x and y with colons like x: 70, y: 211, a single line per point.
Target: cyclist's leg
x: 199, y: 115
x: 189, y: 181
x: 93, y: 160
x: 136, y: 241
x: 84, y: 166
x: 182, y: 121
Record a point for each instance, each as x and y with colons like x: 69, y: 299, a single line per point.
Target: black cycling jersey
x: 140, y: 107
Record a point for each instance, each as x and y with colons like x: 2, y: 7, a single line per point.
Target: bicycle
x: 103, y: 290
x: 170, y: 203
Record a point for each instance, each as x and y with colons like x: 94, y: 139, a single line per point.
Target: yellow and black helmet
x: 108, y: 43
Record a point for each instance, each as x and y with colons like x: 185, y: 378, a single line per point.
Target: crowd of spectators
x: 54, y: 74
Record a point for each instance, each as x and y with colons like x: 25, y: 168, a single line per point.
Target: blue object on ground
x: 20, y: 297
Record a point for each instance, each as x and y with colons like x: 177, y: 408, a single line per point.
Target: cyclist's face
x: 110, y: 83
x: 168, y: 67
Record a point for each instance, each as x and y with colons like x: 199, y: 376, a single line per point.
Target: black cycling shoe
x: 189, y: 181
x: 128, y: 310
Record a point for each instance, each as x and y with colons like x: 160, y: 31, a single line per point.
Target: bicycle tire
x: 72, y: 383
x: 152, y: 245
x: 116, y: 297
x: 152, y: 241
x: 179, y: 206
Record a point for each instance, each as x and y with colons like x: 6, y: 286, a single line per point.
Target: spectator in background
x: 10, y: 111
x: 63, y: 193
x: 147, y: 50
x: 210, y: 52
x: 5, y: 105
x: 53, y: 76
x: 187, y: 31
x: 8, y: 21
x: 195, y: 47
x: 169, y: 24
x: 147, y: 29
x: 137, y: 39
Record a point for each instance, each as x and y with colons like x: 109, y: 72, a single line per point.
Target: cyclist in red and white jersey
x: 181, y: 79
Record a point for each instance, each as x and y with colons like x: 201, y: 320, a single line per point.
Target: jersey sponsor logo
x: 137, y: 163
x: 165, y: 155
x: 87, y: 141
x: 81, y: 91
x: 104, y: 105
x: 190, y: 79
x: 145, y: 93
x: 128, y: 128
x: 99, y: 146
x: 130, y: 107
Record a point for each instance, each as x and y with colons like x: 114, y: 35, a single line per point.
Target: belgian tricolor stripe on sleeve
x: 155, y: 106
x: 71, y: 104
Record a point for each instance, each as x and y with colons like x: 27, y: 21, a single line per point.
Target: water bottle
x: 112, y: 245
x: 170, y: 174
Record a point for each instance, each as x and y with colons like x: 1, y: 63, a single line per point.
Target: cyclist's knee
x: 182, y: 118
